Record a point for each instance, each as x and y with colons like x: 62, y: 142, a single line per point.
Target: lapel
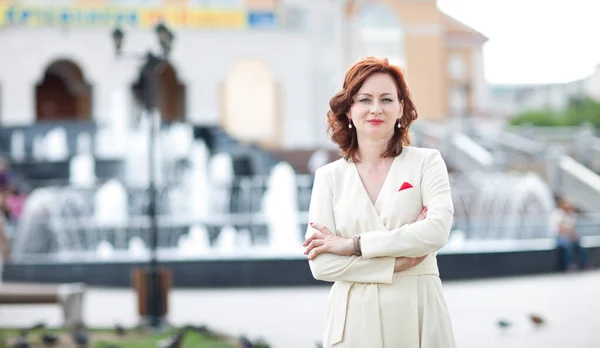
x: 384, y: 193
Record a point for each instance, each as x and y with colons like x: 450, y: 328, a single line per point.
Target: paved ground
x: 292, y: 318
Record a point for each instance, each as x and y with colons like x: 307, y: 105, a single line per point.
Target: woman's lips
x: 375, y: 122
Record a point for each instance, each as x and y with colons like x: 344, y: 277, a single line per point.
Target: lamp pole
x: 146, y: 90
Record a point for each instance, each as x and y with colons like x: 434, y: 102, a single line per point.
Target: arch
x: 171, y: 94
x: 63, y: 93
x: 250, y: 99
x: 379, y: 32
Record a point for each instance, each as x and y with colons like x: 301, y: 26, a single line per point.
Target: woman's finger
x: 317, y: 251
x: 315, y: 243
x: 315, y: 235
x: 321, y: 228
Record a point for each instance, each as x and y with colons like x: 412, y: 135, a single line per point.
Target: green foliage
x: 576, y: 113
x: 536, y: 118
x: 131, y: 340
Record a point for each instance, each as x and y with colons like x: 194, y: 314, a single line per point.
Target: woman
x: 377, y: 218
x: 564, y: 223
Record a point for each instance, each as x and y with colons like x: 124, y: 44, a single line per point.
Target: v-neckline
x: 381, y: 189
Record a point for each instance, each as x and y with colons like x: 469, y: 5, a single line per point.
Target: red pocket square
x: 405, y: 186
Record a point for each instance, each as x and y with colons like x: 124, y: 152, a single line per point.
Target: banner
x: 84, y: 16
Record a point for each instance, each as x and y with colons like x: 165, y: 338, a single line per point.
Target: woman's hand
x: 323, y: 241
x: 404, y: 263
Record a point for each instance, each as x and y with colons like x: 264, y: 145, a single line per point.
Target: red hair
x: 340, y: 104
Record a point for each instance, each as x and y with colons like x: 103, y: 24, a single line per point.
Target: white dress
x: 369, y: 305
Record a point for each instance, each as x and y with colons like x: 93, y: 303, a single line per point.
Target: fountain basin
x: 254, y: 269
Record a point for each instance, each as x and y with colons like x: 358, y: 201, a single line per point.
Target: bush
x: 537, y: 118
x: 576, y: 113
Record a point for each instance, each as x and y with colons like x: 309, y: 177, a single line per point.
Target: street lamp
x: 145, y: 89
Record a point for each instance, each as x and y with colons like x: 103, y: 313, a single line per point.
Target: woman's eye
x: 364, y: 100
x: 387, y: 100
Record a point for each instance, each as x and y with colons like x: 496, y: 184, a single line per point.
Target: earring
x: 350, y: 125
x: 399, y: 125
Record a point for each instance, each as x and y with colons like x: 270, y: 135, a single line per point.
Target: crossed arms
x: 381, y: 248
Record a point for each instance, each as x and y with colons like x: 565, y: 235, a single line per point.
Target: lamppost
x: 145, y: 90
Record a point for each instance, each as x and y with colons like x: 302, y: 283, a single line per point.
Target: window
x: 380, y: 34
x: 457, y: 66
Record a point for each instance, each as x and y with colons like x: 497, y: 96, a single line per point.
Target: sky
x: 533, y: 41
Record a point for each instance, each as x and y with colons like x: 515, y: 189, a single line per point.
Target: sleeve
x: 331, y: 267
x: 422, y: 237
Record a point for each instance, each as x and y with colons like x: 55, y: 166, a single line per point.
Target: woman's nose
x: 376, y: 108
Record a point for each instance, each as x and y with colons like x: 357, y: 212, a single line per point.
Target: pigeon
x: 80, y: 338
x: 173, y: 341
x: 120, y: 330
x: 245, y: 342
x: 537, y: 320
x: 49, y: 339
x: 21, y: 342
x: 504, y: 325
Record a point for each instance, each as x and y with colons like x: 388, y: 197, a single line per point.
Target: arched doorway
x: 170, y: 93
x: 250, y: 98
x: 379, y: 33
x: 63, y: 93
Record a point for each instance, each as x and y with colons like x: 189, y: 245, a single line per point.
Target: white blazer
x: 418, y: 177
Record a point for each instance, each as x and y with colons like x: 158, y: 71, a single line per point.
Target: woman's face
x: 376, y: 108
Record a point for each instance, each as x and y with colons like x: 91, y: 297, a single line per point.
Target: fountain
x: 111, y: 137
x: 226, y: 242
x: 111, y: 208
x: 38, y: 148
x: 55, y: 145
x: 198, y: 196
x: 105, y: 251
x: 220, y: 173
x: 259, y: 220
x: 82, y: 172
x: 17, y: 145
x: 281, y: 210
x: 137, y: 249
x: 195, y: 244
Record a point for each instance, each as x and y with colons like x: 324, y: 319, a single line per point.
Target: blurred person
x: 4, y: 243
x: 5, y: 174
x: 563, y: 221
x: 377, y: 218
x: 14, y: 201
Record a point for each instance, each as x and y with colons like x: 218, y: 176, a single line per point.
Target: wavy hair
x: 339, y: 104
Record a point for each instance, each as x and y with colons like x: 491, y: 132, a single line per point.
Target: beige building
x: 443, y: 57
x: 262, y: 69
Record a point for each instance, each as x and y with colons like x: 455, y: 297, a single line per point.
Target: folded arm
x: 331, y: 267
x: 425, y: 236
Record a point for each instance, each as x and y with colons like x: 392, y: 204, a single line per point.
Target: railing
x: 586, y: 148
x: 467, y: 155
x: 573, y: 180
x: 580, y: 141
x: 553, y: 134
x: 531, y: 149
x: 459, y: 150
x: 518, y: 152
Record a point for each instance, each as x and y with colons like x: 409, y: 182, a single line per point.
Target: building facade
x: 262, y: 69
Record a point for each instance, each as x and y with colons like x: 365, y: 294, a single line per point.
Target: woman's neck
x: 370, y: 151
